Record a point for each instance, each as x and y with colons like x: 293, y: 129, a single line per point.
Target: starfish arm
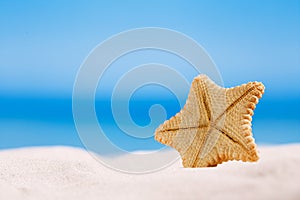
x: 187, y: 119
x: 237, y: 117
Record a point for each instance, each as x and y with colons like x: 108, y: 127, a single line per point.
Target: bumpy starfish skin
x: 215, y: 124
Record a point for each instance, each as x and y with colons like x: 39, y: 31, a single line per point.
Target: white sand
x: 69, y: 173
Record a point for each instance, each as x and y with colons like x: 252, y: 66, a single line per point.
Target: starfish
x: 214, y: 125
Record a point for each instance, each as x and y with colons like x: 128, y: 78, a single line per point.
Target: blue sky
x: 42, y: 44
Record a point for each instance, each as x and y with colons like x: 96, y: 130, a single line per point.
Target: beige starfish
x: 215, y: 124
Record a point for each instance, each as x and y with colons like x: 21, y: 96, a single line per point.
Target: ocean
x: 27, y: 122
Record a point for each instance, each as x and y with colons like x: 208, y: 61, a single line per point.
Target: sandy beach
x: 70, y: 173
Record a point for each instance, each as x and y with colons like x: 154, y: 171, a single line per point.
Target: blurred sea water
x: 49, y: 121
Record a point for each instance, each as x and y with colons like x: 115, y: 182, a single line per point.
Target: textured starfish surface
x: 214, y: 126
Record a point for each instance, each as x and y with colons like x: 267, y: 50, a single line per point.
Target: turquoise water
x: 49, y: 121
